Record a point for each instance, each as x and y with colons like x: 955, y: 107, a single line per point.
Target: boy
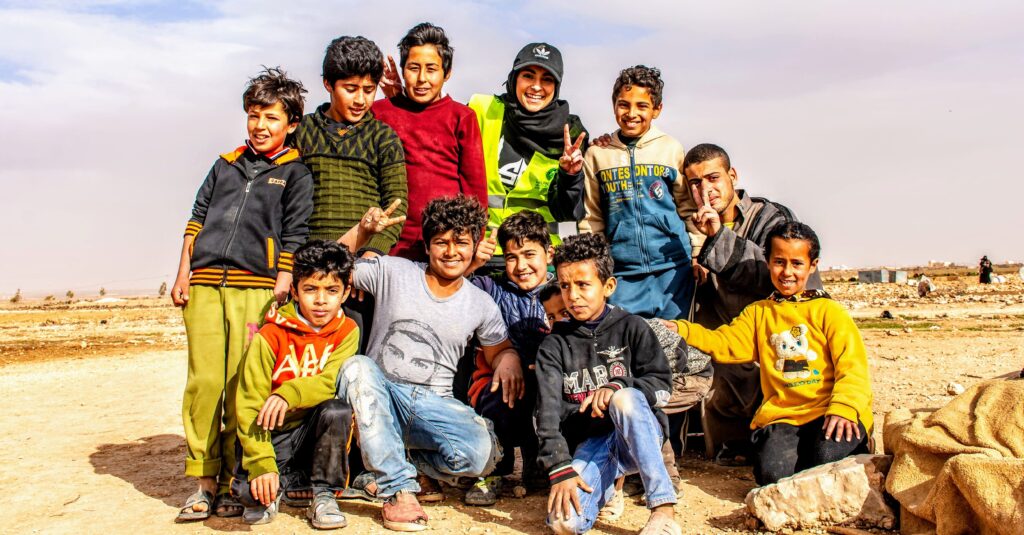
x: 550, y: 297
x: 402, y: 391
x: 814, y: 370
x: 527, y: 245
x: 636, y: 197
x: 441, y: 138
x: 249, y: 217
x: 357, y: 161
x: 290, y: 424
x: 606, y: 362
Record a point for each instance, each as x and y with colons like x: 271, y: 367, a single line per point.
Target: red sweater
x: 443, y: 157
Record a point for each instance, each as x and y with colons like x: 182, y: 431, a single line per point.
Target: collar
x: 806, y: 295
x: 280, y: 157
x: 328, y: 123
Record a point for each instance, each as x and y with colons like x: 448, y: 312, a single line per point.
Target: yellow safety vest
x: 531, y: 190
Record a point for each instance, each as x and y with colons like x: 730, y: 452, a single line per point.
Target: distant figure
x: 985, y: 271
x: 925, y: 287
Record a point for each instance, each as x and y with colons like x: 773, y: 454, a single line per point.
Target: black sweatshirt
x: 573, y: 362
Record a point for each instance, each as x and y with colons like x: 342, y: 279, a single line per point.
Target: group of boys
x: 566, y: 369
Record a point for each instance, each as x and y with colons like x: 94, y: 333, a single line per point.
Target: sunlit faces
x: 319, y: 297
x: 450, y: 254
x: 423, y: 74
x: 268, y: 127
x: 554, y: 310
x: 712, y: 177
x: 351, y: 97
x: 526, y: 264
x: 582, y: 290
x: 535, y: 88
x: 790, y: 264
x: 634, y: 110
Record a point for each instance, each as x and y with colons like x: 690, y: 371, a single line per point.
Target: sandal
x: 405, y: 516
x: 188, y: 512
x: 324, y: 512
x: 613, y: 510
x: 430, y: 490
x: 363, y: 487
x: 227, y: 506
x: 661, y: 525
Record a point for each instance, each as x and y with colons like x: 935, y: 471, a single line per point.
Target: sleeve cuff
x: 614, y: 384
x: 288, y: 393
x: 193, y: 227
x: 683, y: 327
x: 844, y: 411
x: 285, y: 261
x: 262, y: 466
x: 707, y: 247
x: 562, y: 472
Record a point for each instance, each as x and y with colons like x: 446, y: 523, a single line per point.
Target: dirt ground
x: 91, y: 429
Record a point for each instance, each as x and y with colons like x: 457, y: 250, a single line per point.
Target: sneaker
x: 260, y: 514
x: 430, y: 490
x: 485, y: 491
x: 402, y: 512
x: 324, y: 512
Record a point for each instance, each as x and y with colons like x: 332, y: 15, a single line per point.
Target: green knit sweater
x: 353, y: 170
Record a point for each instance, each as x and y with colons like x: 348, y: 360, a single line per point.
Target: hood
x: 287, y: 317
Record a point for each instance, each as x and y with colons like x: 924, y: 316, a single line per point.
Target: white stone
x: 955, y: 389
x: 846, y: 492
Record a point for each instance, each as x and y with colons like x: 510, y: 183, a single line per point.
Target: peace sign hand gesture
x: 391, y: 81
x: 376, y: 220
x: 572, y: 157
x: 706, y: 219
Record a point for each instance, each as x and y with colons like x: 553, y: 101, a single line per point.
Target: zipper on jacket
x: 641, y: 238
x: 238, y: 218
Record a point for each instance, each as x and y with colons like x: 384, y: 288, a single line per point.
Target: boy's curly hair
x: 459, y: 213
x: 583, y: 247
x: 348, y: 56
x: 640, y: 76
x: 794, y: 230
x: 322, y: 257
x: 522, y: 226
x: 426, y: 33
x: 272, y: 86
x: 705, y: 152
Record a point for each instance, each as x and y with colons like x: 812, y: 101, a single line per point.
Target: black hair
x: 272, y: 85
x: 348, y: 56
x: 705, y: 152
x: 548, y: 291
x: 640, y: 76
x: 522, y: 226
x: 583, y: 247
x: 426, y: 33
x: 324, y: 258
x: 459, y: 213
x: 794, y: 230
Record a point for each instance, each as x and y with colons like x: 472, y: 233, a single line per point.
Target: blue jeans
x: 444, y: 437
x: 634, y: 446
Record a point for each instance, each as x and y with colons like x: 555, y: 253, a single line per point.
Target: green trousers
x: 219, y: 323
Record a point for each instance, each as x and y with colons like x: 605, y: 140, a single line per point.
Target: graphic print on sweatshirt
x: 290, y: 365
x: 793, y: 353
x: 579, y: 384
x: 408, y: 352
x: 621, y: 184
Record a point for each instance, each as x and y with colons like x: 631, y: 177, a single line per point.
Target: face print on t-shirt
x: 408, y: 352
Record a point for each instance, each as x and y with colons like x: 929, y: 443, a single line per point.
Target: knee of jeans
x: 355, y: 370
x: 488, y: 447
x: 627, y: 401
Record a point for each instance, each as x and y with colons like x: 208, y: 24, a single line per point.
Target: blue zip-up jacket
x: 522, y: 311
x: 637, y: 196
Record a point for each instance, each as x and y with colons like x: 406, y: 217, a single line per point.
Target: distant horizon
x: 892, y: 129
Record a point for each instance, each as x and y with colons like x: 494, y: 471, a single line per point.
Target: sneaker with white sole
x: 485, y: 491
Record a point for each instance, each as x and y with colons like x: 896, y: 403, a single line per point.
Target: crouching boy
x: 602, y: 378
x: 814, y: 370
x: 290, y: 425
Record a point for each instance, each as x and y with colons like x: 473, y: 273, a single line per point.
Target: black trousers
x: 781, y: 450
x: 313, y: 454
x: 513, y: 426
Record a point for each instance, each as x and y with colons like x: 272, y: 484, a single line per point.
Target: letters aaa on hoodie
x: 288, y: 358
x: 573, y: 362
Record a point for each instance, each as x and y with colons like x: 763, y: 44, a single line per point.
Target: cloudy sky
x: 893, y: 128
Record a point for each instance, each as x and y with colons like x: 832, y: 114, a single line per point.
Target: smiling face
x: 790, y: 265
x: 268, y: 127
x: 720, y: 183
x: 535, y: 88
x: 423, y: 74
x: 582, y: 290
x: 351, y: 97
x: 450, y: 254
x: 319, y: 297
x: 634, y: 110
x: 526, y: 264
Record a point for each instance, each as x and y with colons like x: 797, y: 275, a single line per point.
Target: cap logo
x: 541, y: 52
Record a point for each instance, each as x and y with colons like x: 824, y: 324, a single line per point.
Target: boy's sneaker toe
x: 485, y: 491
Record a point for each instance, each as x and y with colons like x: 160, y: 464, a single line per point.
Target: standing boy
x: 443, y: 152
x: 814, y: 369
x: 636, y: 197
x: 357, y: 160
x: 606, y: 362
x: 290, y: 424
x: 248, y: 219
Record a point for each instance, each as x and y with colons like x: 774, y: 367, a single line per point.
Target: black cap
x: 541, y: 55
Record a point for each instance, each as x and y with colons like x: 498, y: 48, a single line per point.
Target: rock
x: 519, y: 491
x: 907, y: 330
x: 847, y: 492
x: 955, y: 389
x: 891, y: 332
x: 83, y: 344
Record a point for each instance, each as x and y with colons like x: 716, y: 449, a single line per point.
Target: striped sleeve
x: 284, y: 261
x: 193, y: 227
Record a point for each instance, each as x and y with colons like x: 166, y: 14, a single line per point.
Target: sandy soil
x: 90, y: 410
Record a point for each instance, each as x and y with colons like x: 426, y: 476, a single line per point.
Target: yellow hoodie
x: 810, y: 352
